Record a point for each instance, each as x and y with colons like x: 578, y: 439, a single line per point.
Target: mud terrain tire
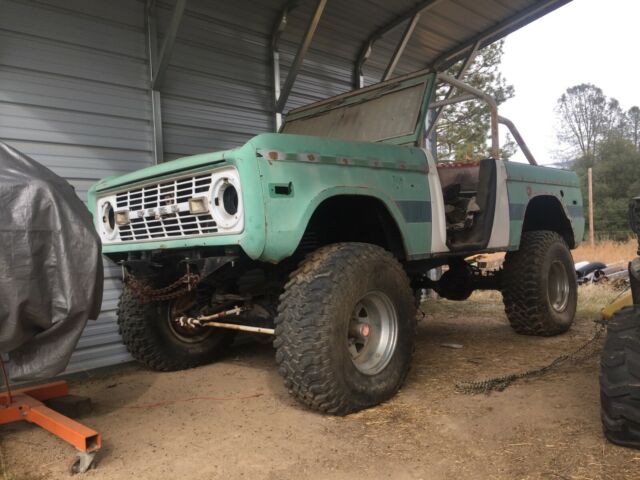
x: 539, y: 286
x: 151, y: 341
x: 620, y: 379
x: 335, y: 291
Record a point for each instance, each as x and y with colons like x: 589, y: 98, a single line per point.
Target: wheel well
x: 545, y: 212
x: 353, y: 218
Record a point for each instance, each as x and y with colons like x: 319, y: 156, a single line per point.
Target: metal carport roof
x: 379, y: 38
x: 446, y: 30
x: 383, y: 38
x: 386, y: 38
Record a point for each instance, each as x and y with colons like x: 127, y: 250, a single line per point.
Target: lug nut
x: 364, y: 329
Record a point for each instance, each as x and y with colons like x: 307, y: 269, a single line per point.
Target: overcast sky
x: 585, y: 41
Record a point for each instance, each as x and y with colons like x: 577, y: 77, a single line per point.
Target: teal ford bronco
x: 323, y: 235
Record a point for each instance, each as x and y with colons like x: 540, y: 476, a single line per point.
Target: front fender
x: 298, y: 173
x: 286, y: 223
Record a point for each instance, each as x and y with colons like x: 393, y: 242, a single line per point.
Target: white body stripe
x: 438, y: 220
x: 500, y: 231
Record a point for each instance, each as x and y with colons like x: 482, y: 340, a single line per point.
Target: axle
x: 210, y: 321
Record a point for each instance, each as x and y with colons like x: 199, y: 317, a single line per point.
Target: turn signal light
x: 122, y: 218
x: 198, y: 205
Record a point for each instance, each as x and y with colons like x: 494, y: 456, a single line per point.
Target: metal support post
x: 365, y: 52
x: 397, y: 54
x: 281, y: 94
x: 158, y: 64
x: 156, y: 125
x: 167, y: 45
x: 156, y: 113
x: 592, y: 235
x: 275, y: 59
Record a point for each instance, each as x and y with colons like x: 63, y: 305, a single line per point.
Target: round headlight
x: 227, y: 203
x: 230, y: 199
x: 108, y: 218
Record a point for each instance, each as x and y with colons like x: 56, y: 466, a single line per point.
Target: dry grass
x: 594, y: 297
x: 591, y: 299
x: 606, y: 251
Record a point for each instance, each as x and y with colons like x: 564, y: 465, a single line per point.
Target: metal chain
x: 147, y: 294
x: 587, y: 350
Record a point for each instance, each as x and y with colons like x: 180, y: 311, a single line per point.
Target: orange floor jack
x: 26, y: 405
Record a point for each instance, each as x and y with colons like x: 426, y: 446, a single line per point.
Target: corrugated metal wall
x: 74, y: 91
x: 73, y: 95
x: 218, y: 89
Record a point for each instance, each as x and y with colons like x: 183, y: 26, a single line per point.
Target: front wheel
x: 154, y: 338
x: 345, y: 328
x: 540, y: 290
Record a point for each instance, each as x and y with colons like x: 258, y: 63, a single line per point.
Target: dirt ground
x: 235, y: 420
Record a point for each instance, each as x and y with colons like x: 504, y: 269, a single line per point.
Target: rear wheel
x: 540, y: 290
x: 345, y: 328
x: 620, y: 379
x: 154, y: 337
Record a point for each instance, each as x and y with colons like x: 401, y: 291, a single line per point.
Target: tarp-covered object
x: 50, y: 267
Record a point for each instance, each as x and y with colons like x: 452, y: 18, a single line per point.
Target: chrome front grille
x: 161, y: 210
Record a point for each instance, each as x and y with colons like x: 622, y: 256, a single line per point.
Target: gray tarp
x: 50, y: 267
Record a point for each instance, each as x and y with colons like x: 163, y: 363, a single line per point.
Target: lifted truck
x: 322, y: 234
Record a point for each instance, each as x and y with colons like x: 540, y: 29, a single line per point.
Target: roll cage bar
x: 473, y: 94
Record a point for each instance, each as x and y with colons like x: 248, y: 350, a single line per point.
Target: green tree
x: 463, y: 129
x: 602, y: 137
x: 586, y: 118
x: 616, y: 178
x: 632, y: 125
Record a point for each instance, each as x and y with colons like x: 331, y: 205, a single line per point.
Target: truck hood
x: 163, y: 169
x: 388, y: 112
